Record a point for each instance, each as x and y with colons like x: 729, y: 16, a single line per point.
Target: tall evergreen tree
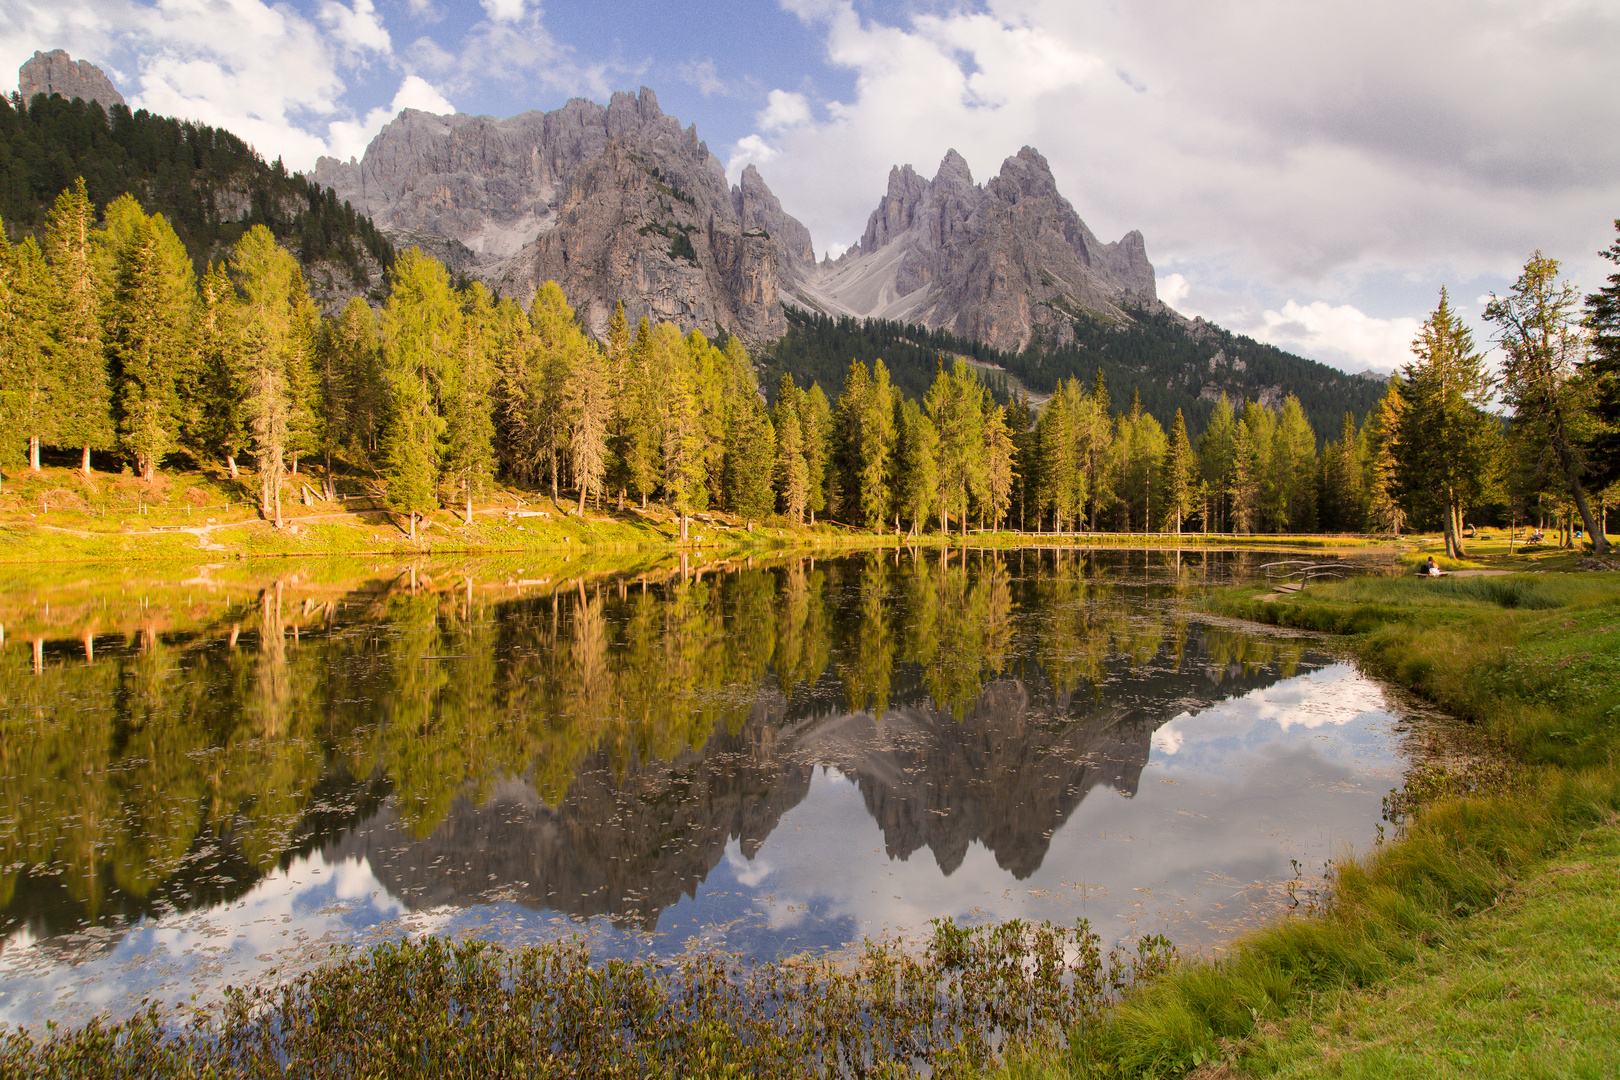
x: 876, y: 435
x: 792, y: 476
x: 82, y: 393
x: 589, y: 406
x: 1180, y: 472
x: 815, y: 422
x: 33, y: 388
x: 1447, y: 441
x: 1543, y: 347
x: 272, y: 289
x: 1216, y: 454
x: 149, y: 336
x: 15, y: 330
x: 1602, y: 373
x: 214, y: 421
x: 1382, y: 476
x: 421, y: 328
x: 1000, y: 465
x: 956, y: 404
x: 468, y: 402
x: 751, y: 457
x: 918, y: 471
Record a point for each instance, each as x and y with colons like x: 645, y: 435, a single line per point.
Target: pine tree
x: 1544, y: 347
x: 421, y: 327
x: 82, y: 402
x: 845, y: 485
x: 148, y: 334
x: 1601, y: 371
x: 469, y: 431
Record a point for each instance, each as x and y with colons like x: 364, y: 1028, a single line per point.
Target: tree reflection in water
x: 594, y: 750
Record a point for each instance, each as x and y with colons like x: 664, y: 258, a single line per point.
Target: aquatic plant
x: 435, y: 1008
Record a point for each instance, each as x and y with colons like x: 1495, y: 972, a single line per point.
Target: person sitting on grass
x: 1433, y: 569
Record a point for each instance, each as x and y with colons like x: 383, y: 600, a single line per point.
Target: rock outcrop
x: 56, y: 72
x: 1003, y: 263
x: 614, y: 203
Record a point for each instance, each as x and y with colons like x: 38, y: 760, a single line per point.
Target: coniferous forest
x: 160, y: 345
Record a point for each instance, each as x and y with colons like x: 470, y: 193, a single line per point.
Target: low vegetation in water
x: 434, y: 1008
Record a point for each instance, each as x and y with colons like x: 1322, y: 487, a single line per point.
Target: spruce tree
x: 876, y: 445
x: 82, y: 402
x: 1059, y: 462
x: 1217, y: 452
x: 589, y: 403
x: 1382, y: 475
x: 15, y: 331
x: 1000, y: 454
x: 1447, y: 442
x: 619, y: 371
x: 815, y: 423
x: 918, y: 452
x: 148, y: 331
x: 753, y: 455
x: 956, y: 404
x: 1601, y: 371
x: 791, y: 473
x: 32, y: 387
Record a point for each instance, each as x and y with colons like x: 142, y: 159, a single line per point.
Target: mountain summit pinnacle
x: 56, y: 72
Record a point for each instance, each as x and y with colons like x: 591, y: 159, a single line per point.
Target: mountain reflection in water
x: 617, y: 746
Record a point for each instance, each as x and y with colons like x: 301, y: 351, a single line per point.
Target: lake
x: 208, y: 778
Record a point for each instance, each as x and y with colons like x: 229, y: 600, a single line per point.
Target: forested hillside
x: 209, y: 185
x: 1155, y: 357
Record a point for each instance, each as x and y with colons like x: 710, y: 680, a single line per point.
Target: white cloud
x: 357, y: 27
x: 1339, y: 335
x: 702, y: 74
x: 783, y: 110
x: 346, y: 139
x: 503, y: 10
x: 1305, y: 148
x: 1173, y: 289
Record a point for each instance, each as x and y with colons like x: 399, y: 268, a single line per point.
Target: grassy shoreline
x: 1489, y: 859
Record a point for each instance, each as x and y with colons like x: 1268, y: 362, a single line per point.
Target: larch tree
x: 271, y: 289
x: 685, y: 472
x: 468, y: 404
x: 815, y: 422
x: 617, y: 364
x: 956, y: 404
x: 588, y: 401
x: 1343, y: 499
x: 1216, y: 455
x: 559, y: 345
x: 16, y: 332
x: 1180, y: 472
x: 1293, y: 470
x: 642, y: 439
x: 1000, y: 460
x: 845, y: 483
x: 792, y: 477
x: 751, y: 456
x: 83, y: 408
x: 421, y: 328
x: 148, y: 331
x: 1543, y: 347
x: 1382, y: 471
x: 1447, y: 441
x: 876, y: 445
x: 1061, y: 476
x: 918, y: 473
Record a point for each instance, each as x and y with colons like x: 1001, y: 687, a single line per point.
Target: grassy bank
x: 59, y: 516
x: 1495, y: 906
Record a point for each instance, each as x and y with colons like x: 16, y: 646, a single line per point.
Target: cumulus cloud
x: 348, y: 139
x: 783, y: 110
x: 1302, y: 149
x: 358, y: 28
x: 1341, y: 334
x: 503, y: 10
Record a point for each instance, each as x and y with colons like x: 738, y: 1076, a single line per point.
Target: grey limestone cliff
x: 56, y: 72
x: 614, y: 203
x: 1001, y: 263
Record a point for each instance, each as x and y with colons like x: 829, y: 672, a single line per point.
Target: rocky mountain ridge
x: 56, y: 72
x: 614, y: 203
x: 621, y: 203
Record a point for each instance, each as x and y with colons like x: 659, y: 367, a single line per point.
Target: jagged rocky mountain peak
x: 56, y: 72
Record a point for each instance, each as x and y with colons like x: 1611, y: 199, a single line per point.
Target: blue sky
x: 1310, y: 174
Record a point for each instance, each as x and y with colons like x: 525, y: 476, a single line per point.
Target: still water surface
x: 760, y: 759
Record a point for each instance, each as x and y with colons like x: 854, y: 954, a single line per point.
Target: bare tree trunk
x: 230, y: 463
x: 413, y: 532
x: 582, y: 488
x: 33, y: 452
x: 469, y: 503
x: 84, y: 464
